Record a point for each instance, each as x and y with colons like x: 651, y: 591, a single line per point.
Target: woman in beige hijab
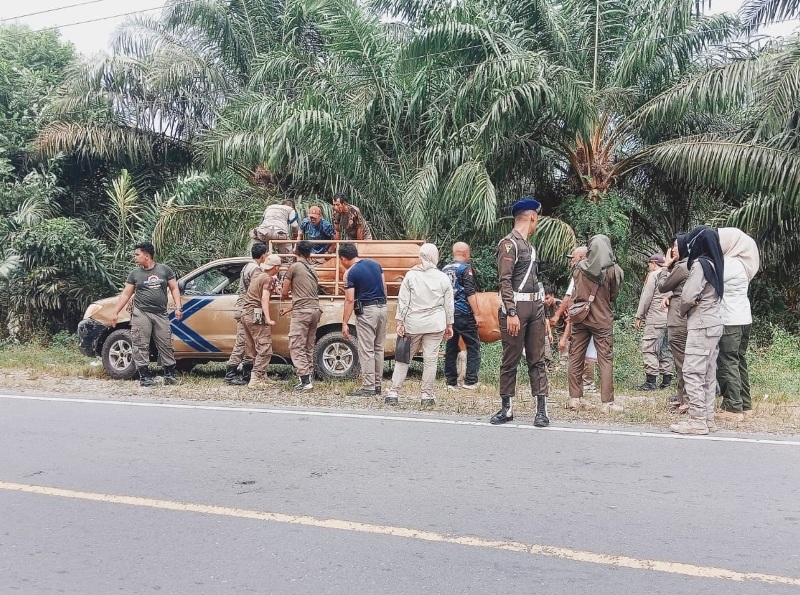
x: 424, y: 315
x: 742, y: 262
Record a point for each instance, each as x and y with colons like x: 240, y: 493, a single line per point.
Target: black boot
x: 649, y: 384
x: 541, y: 420
x: 247, y: 372
x: 231, y: 376
x: 666, y: 380
x: 169, y: 375
x: 146, y: 377
x: 505, y: 414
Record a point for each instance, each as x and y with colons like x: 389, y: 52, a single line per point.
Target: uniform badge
x: 508, y: 246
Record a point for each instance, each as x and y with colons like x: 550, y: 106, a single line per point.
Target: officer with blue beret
x: 521, y: 313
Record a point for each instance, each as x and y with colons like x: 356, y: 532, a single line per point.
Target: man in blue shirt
x: 364, y: 282
x: 314, y: 227
x: 465, y: 324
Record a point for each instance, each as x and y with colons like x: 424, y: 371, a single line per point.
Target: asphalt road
x: 97, y: 498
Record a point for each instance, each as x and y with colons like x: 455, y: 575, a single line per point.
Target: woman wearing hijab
x: 598, y: 280
x: 671, y: 281
x: 700, y: 302
x: 741, y: 264
x: 424, y: 315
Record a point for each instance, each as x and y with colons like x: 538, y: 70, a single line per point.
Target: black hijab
x: 702, y: 243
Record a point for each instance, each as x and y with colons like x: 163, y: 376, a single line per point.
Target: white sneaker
x: 611, y: 407
x: 475, y: 386
x: 453, y: 387
x: 579, y: 404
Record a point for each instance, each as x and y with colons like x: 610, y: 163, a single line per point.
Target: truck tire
x: 336, y: 358
x: 118, y: 355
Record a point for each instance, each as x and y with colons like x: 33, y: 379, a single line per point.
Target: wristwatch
x: 512, y: 311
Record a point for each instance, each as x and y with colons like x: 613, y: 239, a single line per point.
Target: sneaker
x: 611, y: 407
x: 579, y: 404
x: 690, y: 426
x: 300, y: 387
x: 729, y: 415
x: 475, y: 386
x: 428, y: 401
x: 362, y: 392
x: 589, y: 388
x: 258, y: 383
x: 391, y: 398
x: 747, y: 413
x: 712, y: 425
x: 453, y: 387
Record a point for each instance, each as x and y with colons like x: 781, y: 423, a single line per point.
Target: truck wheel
x: 118, y: 355
x: 336, y: 358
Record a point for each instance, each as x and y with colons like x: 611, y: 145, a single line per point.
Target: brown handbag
x: 578, y: 312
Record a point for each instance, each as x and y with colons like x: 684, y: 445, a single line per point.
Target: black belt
x: 378, y: 302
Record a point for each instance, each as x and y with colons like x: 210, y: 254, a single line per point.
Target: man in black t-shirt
x: 148, y: 286
x: 365, y: 282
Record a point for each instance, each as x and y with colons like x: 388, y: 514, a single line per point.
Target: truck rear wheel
x: 336, y: 358
x: 118, y: 355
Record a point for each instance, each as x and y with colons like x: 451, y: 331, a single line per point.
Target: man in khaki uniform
x: 279, y: 223
x: 301, y: 280
x: 348, y: 222
x: 257, y: 322
x: 671, y: 281
x: 238, y: 355
x: 655, y: 351
x: 522, y: 313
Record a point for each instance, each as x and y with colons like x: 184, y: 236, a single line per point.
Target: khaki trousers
x: 655, y: 351
x: 302, y: 338
x: 700, y: 370
x: 239, y: 353
x: 265, y: 234
x: 258, y: 345
x: 604, y: 344
x: 371, y: 337
x: 430, y: 343
x: 677, y: 345
x: 144, y: 326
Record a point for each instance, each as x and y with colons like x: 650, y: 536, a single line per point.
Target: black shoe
x: 378, y: 390
x: 146, y: 377
x: 503, y: 416
x: 391, y: 400
x: 169, y: 375
x: 232, y: 378
x: 541, y: 420
x: 247, y: 372
x: 666, y: 381
x: 362, y: 392
x: 649, y: 383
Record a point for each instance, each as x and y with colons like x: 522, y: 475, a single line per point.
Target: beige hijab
x: 737, y: 244
x: 599, y: 258
x: 428, y: 256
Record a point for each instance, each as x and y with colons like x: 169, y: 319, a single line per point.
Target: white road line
x: 410, y: 533
x: 424, y: 420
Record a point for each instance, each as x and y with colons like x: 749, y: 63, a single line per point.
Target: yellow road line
x: 344, y: 525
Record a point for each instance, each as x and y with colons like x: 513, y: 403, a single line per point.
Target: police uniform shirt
x: 514, y: 255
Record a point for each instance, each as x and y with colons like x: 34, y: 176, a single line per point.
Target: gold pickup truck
x: 207, y: 330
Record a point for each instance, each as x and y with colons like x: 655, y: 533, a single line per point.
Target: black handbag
x: 402, y: 349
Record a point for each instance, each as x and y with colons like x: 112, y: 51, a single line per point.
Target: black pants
x: 530, y: 338
x: 464, y: 326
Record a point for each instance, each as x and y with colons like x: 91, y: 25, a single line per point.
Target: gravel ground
x: 647, y: 411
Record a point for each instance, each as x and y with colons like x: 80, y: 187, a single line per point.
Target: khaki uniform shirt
x: 672, y: 281
x: 700, y: 301
x: 347, y: 224
x: 601, y: 314
x: 650, y: 302
x: 244, y: 283
x: 305, y: 287
x: 281, y: 217
x: 514, y: 255
x: 252, y: 298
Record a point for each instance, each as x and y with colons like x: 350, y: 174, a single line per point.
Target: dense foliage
x: 636, y: 119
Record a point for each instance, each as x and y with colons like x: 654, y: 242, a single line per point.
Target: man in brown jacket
x: 655, y: 350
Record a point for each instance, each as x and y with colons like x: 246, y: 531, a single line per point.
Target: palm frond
x: 553, y: 239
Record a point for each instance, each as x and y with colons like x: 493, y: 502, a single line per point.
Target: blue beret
x: 526, y: 204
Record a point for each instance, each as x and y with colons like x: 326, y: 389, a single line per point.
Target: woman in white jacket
x: 741, y: 264
x: 425, y: 316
